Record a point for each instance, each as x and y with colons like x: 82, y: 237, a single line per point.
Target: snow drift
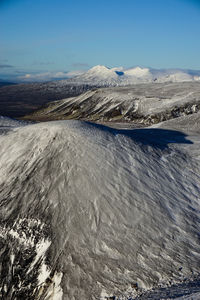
x: 90, y: 212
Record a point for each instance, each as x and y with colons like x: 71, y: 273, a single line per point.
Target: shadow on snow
x: 155, y: 137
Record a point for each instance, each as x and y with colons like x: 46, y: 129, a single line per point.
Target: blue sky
x: 55, y: 37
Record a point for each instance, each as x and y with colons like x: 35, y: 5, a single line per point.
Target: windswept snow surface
x: 6, y: 124
x: 89, y: 212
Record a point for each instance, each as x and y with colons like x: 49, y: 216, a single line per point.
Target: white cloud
x: 47, y: 76
x: 75, y: 73
x: 27, y: 76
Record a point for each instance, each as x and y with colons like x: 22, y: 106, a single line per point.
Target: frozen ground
x: 91, y: 212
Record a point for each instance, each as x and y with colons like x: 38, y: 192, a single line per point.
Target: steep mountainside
x: 141, y: 104
x: 90, y: 212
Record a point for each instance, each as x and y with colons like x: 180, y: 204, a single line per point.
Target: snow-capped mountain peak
x: 137, y: 72
x: 98, y: 69
x: 119, y: 76
x: 101, y: 72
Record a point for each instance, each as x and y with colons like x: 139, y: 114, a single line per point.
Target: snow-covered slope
x: 90, y: 212
x: 6, y: 124
x: 144, y: 104
x: 21, y: 99
x: 101, y: 75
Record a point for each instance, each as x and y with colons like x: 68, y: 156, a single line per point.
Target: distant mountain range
x: 5, y: 82
x: 22, y: 99
x: 103, y: 76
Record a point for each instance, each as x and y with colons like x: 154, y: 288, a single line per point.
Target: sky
x: 48, y: 39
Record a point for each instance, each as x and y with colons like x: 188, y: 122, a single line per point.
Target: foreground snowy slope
x: 144, y: 104
x: 89, y: 212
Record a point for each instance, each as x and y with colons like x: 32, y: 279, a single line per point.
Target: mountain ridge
x: 139, y: 104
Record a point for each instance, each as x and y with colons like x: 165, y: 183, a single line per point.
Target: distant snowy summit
x: 104, y: 76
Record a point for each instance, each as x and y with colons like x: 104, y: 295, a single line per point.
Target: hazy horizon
x: 44, y: 37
